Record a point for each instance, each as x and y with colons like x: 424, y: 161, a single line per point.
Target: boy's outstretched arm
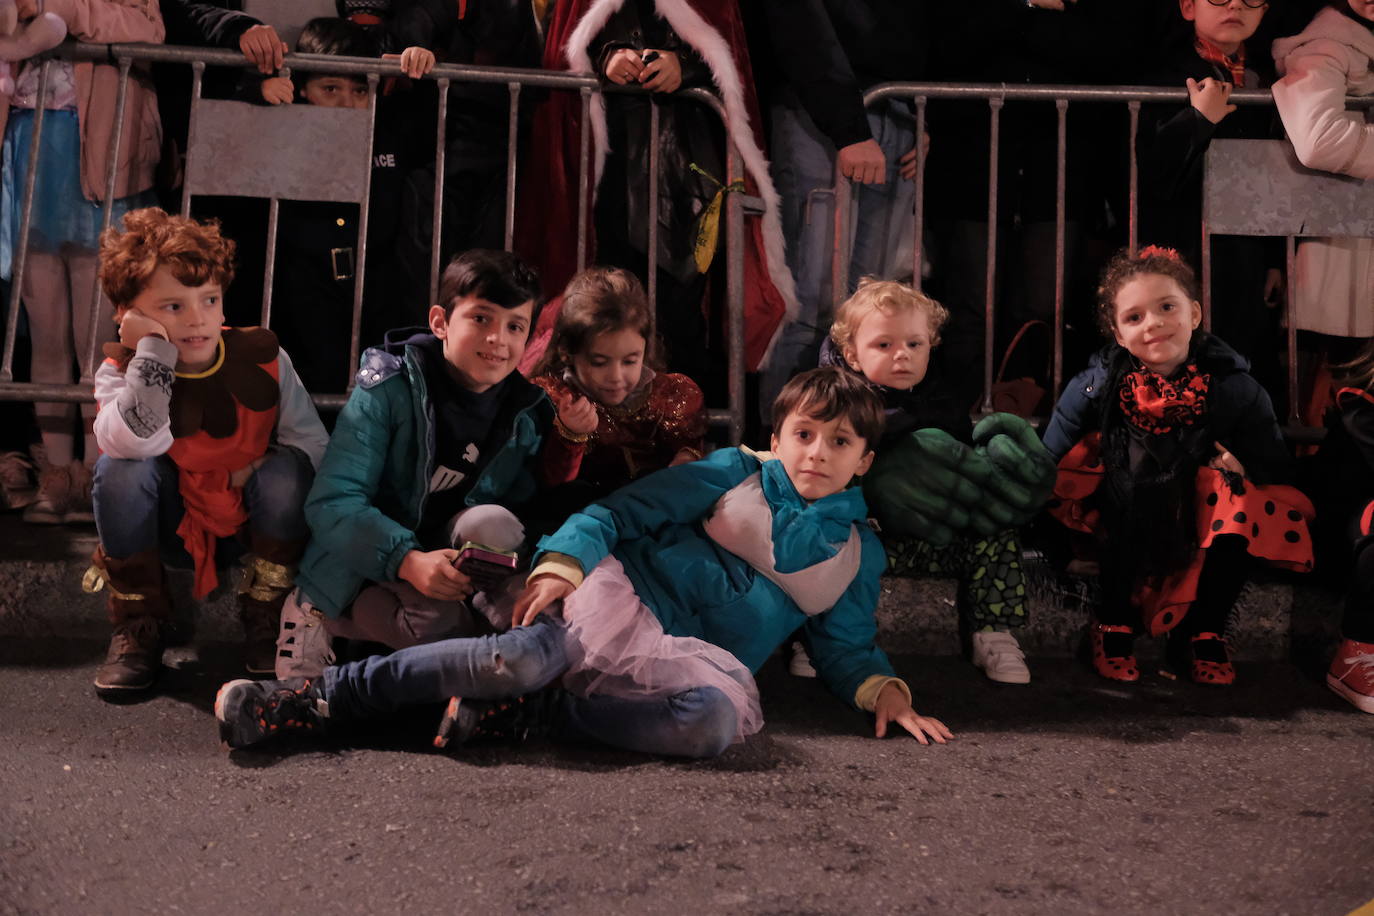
x: 893, y: 706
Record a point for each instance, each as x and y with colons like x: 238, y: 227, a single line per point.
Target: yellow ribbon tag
x: 708, y: 225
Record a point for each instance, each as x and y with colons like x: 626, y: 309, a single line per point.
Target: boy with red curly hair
x: 209, y: 444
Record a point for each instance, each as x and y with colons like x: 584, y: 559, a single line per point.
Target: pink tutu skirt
x: 617, y: 647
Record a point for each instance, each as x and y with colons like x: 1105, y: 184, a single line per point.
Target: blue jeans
x: 138, y: 506
x: 695, y: 723
x: 804, y: 173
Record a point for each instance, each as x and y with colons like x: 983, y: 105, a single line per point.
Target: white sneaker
x: 1000, y: 657
x: 800, y: 665
x: 304, y: 646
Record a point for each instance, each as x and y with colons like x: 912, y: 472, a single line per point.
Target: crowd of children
x: 655, y: 575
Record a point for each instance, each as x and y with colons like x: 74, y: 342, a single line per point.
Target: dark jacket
x: 930, y: 404
x: 823, y: 54
x: 1239, y: 413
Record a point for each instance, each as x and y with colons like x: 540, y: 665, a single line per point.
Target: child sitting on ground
x: 439, y: 442
x: 673, y: 590
x: 886, y: 333
x: 205, y: 432
x: 1170, y: 455
x: 1344, y: 493
x: 604, y: 349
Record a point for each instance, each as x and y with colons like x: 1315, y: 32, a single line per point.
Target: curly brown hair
x: 196, y: 253
x: 1126, y: 265
x: 890, y: 297
x: 599, y: 300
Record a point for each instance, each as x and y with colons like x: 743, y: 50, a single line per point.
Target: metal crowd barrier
x: 996, y: 95
x: 205, y: 181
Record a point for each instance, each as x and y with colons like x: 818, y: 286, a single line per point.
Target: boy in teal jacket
x: 438, y: 443
x: 673, y: 591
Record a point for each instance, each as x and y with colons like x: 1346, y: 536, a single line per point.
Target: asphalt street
x: 1062, y: 797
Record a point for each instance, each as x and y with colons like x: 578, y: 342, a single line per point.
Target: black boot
x: 512, y: 720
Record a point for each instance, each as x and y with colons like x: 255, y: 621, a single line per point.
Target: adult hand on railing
x: 415, y: 61
x: 278, y: 90
x: 662, y: 73
x: 863, y: 162
x: 1211, y: 98
x: 263, y: 48
x: 907, y: 164
x: 134, y: 326
x: 624, y: 67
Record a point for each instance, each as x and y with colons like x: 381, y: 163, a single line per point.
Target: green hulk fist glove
x: 932, y: 486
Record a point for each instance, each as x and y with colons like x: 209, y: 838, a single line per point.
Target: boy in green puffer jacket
x: 440, y: 440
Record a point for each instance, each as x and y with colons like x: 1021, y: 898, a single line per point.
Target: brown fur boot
x: 269, y: 574
x: 138, y: 608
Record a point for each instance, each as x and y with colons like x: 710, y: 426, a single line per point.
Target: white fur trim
x: 714, y: 50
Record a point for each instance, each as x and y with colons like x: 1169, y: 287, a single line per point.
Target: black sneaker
x: 253, y: 711
x: 466, y: 721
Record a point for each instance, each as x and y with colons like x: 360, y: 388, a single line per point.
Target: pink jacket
x: 97, y: 86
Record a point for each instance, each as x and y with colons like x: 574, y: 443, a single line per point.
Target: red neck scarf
x: 1214, y: 55
x: 1157, y: 405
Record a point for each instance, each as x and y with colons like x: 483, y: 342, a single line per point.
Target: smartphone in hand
x: 485, y: 566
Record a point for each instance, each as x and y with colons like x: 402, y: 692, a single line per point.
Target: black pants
x: 1224, y: 568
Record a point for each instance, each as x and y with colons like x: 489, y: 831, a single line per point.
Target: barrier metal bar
x: 512, y: 141
x: 584, y: 178
x: 651, y: 268
x: 918, y: 242
x: 269, y: 269
x: 1206, y: 271
x: 990, y: 293
x: 197, y: 78
x: 437, y: 225
x: 734, y: 286
x: 21, y: 252
x: 107, y: 213
x: 360, y: 270
x: 1060, y: 218
x: 1290, y: 303
x: 1133, y: 206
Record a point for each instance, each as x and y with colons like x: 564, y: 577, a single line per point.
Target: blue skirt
x: 61, y: 213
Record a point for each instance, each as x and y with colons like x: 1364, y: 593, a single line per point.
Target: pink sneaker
x: 1352, y: 674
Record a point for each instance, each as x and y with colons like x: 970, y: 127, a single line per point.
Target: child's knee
x: 491, y: 525
x: 284, y: 475
x: 126, y: 476
x: 528, y: 658
x: 708, y: 722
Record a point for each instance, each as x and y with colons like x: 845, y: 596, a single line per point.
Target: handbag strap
x: 1011, y: 347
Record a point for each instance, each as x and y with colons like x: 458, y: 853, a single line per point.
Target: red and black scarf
x: 1156, y: 405
x: 1214, y: 55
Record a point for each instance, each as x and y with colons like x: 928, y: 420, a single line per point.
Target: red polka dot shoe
x: 1113, y: 657
x: 1211, y: 661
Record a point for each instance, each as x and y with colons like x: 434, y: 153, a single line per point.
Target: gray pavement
x: 1064, y: 796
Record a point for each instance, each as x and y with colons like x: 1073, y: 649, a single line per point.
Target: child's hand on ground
x: 240, y: 477
x: 1211, y: 98
x: 576, y: 413
x: 863, y: 162
x: 1225, y: 461
x: 433, y: 574
x: 624, y: 67
x: 278, y: 90
x: 134, y: 326
x: 415, y: 61
x: 263, y: 48
x: 893, y: 707
x: 663, y: 74
x: 539, y: 593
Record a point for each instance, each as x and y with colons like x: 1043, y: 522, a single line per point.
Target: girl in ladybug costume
x: 1171, y: 458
